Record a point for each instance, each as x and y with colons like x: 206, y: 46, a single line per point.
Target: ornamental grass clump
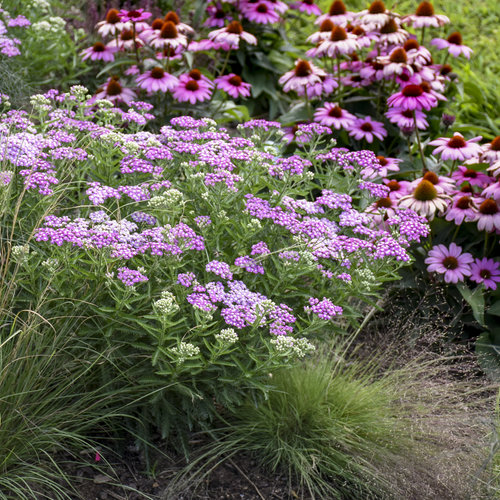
x: 203, y: 259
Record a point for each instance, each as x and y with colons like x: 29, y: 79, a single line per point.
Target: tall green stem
x: 417, y: 134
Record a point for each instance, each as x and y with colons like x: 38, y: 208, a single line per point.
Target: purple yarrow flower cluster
x: 130, y: 277
x: 325, y: 309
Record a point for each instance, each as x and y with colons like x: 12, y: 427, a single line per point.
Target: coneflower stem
x: 423, y: 35
x: 136, y: 48
x: 308, y: 104
x: 225, y: 63
x: 485, y: 251
x: 422, y: 158
x: 339, y: 81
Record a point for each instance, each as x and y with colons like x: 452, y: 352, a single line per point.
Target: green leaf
x: 488, y: 354
x: 476, y: 300
x: 494, y: 309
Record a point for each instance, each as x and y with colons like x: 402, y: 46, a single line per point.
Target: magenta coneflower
x: 99, y: 52
x: 157, y: 79
x: 304, y: 74
x: 337, y: 14
x: 233, y: 85
x: 307, y: 6
x: 260, y: 13
x: 114, y: 92
x: 338, y: 43
x: 425, y: 199
x: 461, y: 209
x: 425, y: 17
x: 450, y: 262
x: 167, y: 37
x: 366, y: 128
x: 412, y: 97
x: 456, y: 147
x: 375, y: 16
x: 404, y: 118
x: 492, y: 191
x: 112, y: 24
x: 134, y: 16
x: 473, y: 177
x: 398, y: 189
x: 325, y: 86
x: 485, y: 271
x: 332, y: 115
x: 217, y: 17
x: 232, y: 34
x: 196, y: 74
x: 385, y: 165
x: 487, y: 216
x: 454, y: 45
x: 191, y: 90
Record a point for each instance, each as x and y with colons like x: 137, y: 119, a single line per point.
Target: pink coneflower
x: 111, y: 25
x: 233, y: 85
x: 492, y: 191
x: 412, y: 97
x: 307, y: 6
x: 366, y: 128
x: 425, y: 17
x: 277, y: 5
x: 217, y: 17
x: 392, y: 34
x: 325, y: 30
x: 398, y: 189
x: 442, y: 183
x: 454, y: 45
x: 375, y: 16
x: 114, y: 92
x: 99, y: 52
x: 339, y: 42
x: 157, y: 79
x: 232, y: 34
x: 324, y: 87
x: 494, y: 168
x: 404, y: 118
x: 451, y: 262
x: 485, y: 271
x: 456, y: 147
x: 332, y: 115
x: 192, y: 90
x: 417, y: 54
x: 385, y: 165
x: 196, y: 74
x: 382, y: 208
x: 133, y: 16
x: 363, y: 38
x: 260, y: 13
x: 487, y: 216
x: 304, y: 74
x: 473, y: 177
x: 372, y: 70
x: 425, y: 199
x: 154, y: 29
x: 337, y: 14
x: 491, y: 152
x: 167, y: 37
x: 461, y: 209
x: 396, y: 62
x: 183, y: 28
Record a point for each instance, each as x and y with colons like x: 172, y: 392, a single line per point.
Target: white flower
x: 227, y: 336
x: 184, y: 351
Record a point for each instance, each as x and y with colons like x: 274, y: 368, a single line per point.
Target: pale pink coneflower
x: 416, y: 53
x: 322, y: 88
x: 337, y: 14
x: 491, y: 152
x: 183, y: 28
x: 494, y: 168
x: 485, y: 271
x: 260, y: 13
x: 398, y: 189
x: 363, y: 38
x: 367, y: 128
x: 425, y: 17
x: 375, y: 16
x: 396, y: 62
x: 113, y: 91
x: 454, y: 45
x: 99, y: 52
x: 450, y: 262
x: 492, y: 191
x: 112, y: 25
x: 167, y: 37
x: 441, y: 182
x: 125, y: 41
x: 456, y: 147
x: 233, y: 85
x: 325, y: 30
x: 157, y: 79
x: 391, y: 33
x: 339, y: 43
x: 332, y: 115
x: 487, y: 216
x: 425, y: 199
x: 461, y: 209
x: 191, y: 90
x: 196, y: 74
x: 152, y: 30
x: 304, y: 74
x: 403, y: 118
x: 232, y: 34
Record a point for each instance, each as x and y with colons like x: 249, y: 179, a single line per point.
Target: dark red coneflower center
x: 450, y: 262
x: 112, y: 16
x: 308, y: 2
x: 488, y: 207
x: 377, y: 66
x: 411, y: 44
x: 126, y: 35
x: 173, y: 17
x: 169, y: 52
x: 157, y: 73
x: 425, y: 191
x: 464, y: 203
x: 235, y: 81
x: 337, y: 8
x: 485, y: 274
x: 367, y: 127
x: 192, y: 85
x: 412, y: 90
x: 195, y: 74
x: 113, y: 88
x: 384, y: 203
x: 445, y: 69
x: 169, y: 31
x: 326, y: 25
x: 466, y: 188
x: 389, y: 27
x: 382, y: 160
x: 470, y: 173
x: 358, y: 31
x: 338, y: 34
x: 303, y: 68
x: 219, y: 14
x: 431, y: 177
x: 234, y: 27
x: 457, y: 142
x: 455, y: 38
x: 377, y: 7
x: 98, y: 47
x: 407, y: 113
x: 426, y: 86
x: 335, y: 112
x: 425, y: 9
x: 394, y: 185
x: 134, y: 14
x: 398, y: 56
x: 157, y: 24
x: 495, y: 144
x: 262, y: 8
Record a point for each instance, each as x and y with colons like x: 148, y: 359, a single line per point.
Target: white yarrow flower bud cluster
x: 184, y: 351
x: 227, y: 336
x: 167, y: 304
x: 298, y: 347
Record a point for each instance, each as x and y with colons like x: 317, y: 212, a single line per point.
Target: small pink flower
x: 339, y: 42
x: 99, y: 52
x: 332, y: 115
x: 233, y: 85
x: 192, y: 90
x: 366, y: 128
x: 450, y: 262
x: 113, y: 91
x: 232, y: 34
x: 157, y: 79
x: 303, y: 75
x: 112, y: 24
x: 456, y: 147
x: 486, y: 271
x: 133, y: 16
x: 454, y: 45
x: 461, y: 209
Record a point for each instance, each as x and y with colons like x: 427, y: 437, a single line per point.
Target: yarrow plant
x: 201, y: 255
